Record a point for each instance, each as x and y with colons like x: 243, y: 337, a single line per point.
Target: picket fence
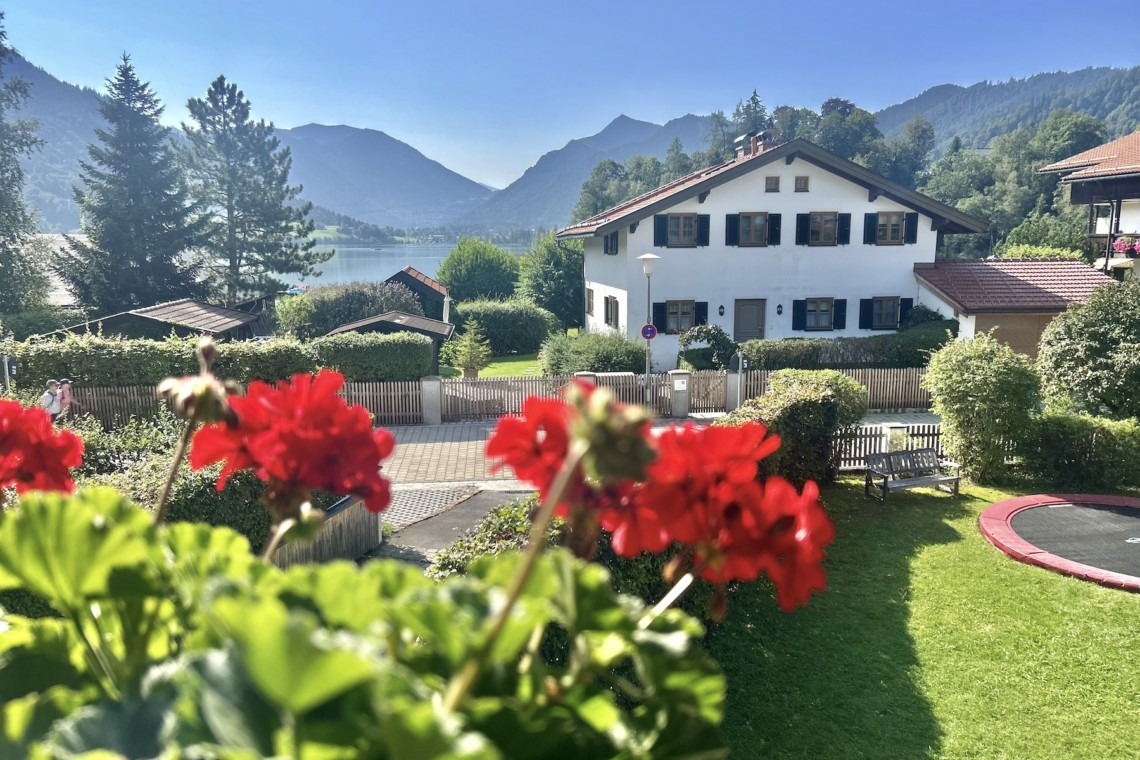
x: 489, y: 397
x: 855, y: 444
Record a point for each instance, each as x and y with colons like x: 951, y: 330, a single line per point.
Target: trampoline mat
x: 1092, y: 534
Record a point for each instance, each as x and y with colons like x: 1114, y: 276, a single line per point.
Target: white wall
x: 720, y: 274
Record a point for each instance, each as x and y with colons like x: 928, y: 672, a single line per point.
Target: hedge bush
x: 375, y: 357
x: 715, y: 355
x: 807, y: 409
x: 909, y: 347
x: 126, y: 446
x: 1082, y: 453
x: 336, y: 305
x: 516, y: 326
x: 591, y: 352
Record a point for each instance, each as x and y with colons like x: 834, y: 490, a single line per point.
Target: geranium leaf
x: 36, y: 655
x: 131, y: 729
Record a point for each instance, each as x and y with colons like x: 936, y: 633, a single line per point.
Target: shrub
x: 127, y: 445
x: 921, y: 314
x: 470, y: 351
x: 294, y: 314
x: 1024, y: 251
x: 807, y: 409
x: 336, y: 305
x: 550, y: 275
x: 591, y: 352
x: 1076, y: 451
x: 718, y: 352
x: 264, y: 360
x: 374, y: 357
x: 512, y: 327
x: 478, y: 269
x: 910, y: 347
x: 986, y: 395
x: 42, y: 320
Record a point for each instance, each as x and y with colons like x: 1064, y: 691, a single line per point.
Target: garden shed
x: 399, y: 321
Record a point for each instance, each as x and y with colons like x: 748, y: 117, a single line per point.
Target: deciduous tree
x: 551, y: 276
x: 478, y: 269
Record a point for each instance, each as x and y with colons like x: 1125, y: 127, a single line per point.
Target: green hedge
x: 591, y: 352
x: 806, y: 409
x: 512, y: 327
x: 374, y: 357
x: 1080, y: 452
x: 906, y: 348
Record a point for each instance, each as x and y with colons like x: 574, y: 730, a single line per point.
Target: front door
x: 749, y: 321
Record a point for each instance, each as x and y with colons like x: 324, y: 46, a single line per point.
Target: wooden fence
x: 887, y: 389
x: 708, y: 391
x: 392, y: 403
x: 483, y: 398
x: 855, y: 444
x: 350, y: 531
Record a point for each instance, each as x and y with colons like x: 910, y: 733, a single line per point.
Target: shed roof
x: 401, y: 320
x: 413, y: 274
x: 1118, y: 158
x: 1011, y: 285
x: 186, y: 312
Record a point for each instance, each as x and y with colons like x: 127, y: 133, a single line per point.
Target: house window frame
x: 675, y: 313
x: 812, y: 219
x: 772, y: 184
x: 753, y: 216
x: 803, y: 183
x: 590, y: 301
x: 813, y: 313
x: 877, y: 308
x: 612, y: 307
x: 610, y: 244
x: 881, y: 227
x: 679, y: 240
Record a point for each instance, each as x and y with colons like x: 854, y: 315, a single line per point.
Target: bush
x: 807, y: 409
x: 264, y: 360
x: 512, y: 327
x: 294, y: 314
x: 375, y: 357
x: 591, y: 352
x: 921, y: 314
x: 478, y: 269
x: 718, y: 352
x: 39, y: 321
x: 470, y: 351
x: 1048, y: 253
x: 336, y: 305
x: 1083, y: 453
x: 128, y: 445
x: 986, y: 395
x: 909, y: 347
x: 550, y: 275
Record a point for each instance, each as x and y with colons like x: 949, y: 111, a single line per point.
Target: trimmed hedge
x: 591, y: 352
x: 806, y: 409
x: 512, y: 327
x: 909, y: 347
x: 1083, y: 453
x: 376, y: 357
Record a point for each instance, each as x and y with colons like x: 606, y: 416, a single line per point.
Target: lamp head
x: 647, y: 261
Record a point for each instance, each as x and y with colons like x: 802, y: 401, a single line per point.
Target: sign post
x: 649, y: 332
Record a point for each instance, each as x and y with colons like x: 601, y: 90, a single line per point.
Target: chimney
x: 742, y: 146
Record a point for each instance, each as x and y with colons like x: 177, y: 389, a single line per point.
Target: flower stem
x: 675, y: 593
x: 461, y: 684
x: 279, y: 532
x: 179, y: 453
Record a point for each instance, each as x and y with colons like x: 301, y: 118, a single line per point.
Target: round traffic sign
x: 649, y: 332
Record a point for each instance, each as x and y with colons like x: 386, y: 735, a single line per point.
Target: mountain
x: 545, y: 194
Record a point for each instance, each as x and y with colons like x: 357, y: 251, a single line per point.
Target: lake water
x: 378, y: 264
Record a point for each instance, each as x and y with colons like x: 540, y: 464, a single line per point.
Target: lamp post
x: 647, y: 261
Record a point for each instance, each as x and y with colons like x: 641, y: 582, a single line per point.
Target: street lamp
x: 647, y: 261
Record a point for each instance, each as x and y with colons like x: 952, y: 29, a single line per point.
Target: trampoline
x: 1095, y: 538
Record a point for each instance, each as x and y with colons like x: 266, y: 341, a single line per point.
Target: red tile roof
x: 1011, y: 285
x: 419, y: 276
x: 1116, y: 158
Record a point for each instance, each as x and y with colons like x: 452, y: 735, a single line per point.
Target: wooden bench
x: 900, y: 470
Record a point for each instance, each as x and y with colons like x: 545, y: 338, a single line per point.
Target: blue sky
x: 487, y: 86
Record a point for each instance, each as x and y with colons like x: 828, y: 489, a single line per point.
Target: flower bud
x: 614, y: 436
x: 718, y: 605
x: 207, y: 353
x: 201, y: 398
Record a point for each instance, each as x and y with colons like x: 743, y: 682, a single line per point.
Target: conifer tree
x: 239, y: 173
x: 136, y: 212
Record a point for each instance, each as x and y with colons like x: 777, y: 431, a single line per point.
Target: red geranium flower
x: 34, y: 456
x: 299, y: 436
x: 533, y: 444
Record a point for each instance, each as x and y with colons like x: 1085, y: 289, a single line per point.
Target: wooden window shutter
x: 659, y: 317
x: 870, y: 229
x: 839, y: 312
x: 617, y: 311
x: 773, y: 229
x: 905, y: 305
x: 732, y: 229
x: 701, y: 313
x: 803, y: 232
x: 843, y: 230
x: 661, y: 231
x: 703, y: 226
x: 799, y: 315
x: 910, y: 228
x: 866, y: 311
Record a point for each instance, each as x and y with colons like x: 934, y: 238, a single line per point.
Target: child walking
x: 50, y: 400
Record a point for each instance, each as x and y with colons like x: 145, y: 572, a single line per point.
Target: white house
x: 783, y: 241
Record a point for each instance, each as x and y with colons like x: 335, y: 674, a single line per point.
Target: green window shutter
x: 839, y: 314
x: 843, y: 230
x: 910, y: 228
x: 659, y: 317
x: 660, y: 230
x: 799, y: 315
x: 803, y: 232
x: 866, y: 311
x: 773, y: 229
x: 703, y: 226
x: 732, y: 229
x: 701, y: 313
x: 870, y: 228
x: 905, y: 305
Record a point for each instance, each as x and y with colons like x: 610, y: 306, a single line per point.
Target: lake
x: 378, y: 264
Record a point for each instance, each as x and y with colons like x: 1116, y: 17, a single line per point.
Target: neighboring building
x: 783, y: 241
x: 398, y: 321
x: 432, y: 294
x: 185, y: 317
x: 1107, y: 180
x: 1018, y: 298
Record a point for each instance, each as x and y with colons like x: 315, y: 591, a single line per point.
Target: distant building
x: 431, y: 293
x: 185, y: 317
x: 398, y: 321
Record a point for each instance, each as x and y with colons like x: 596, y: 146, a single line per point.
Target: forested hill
x: 985, y: 110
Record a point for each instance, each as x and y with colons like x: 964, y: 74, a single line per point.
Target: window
x: 771, y: 184
x: 819, y: 313
x: 610, y: 244
x: 753, y: 229
x: 679, y: 316
x: 801, y: 184
x: 822, y: 228
x: 890, y: 228
x: 682, y: 230
x: 612, y: 312
x: 885, y: 312
x: 590, y: 301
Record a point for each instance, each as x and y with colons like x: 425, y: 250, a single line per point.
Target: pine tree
x: 240, y: 174
x: 751, y: 115
x: 136, y: 212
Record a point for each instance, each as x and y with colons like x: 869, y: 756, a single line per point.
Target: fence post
x: 589, y: 377
x: 432, y: 389
x: 735, y: 389
x: 680, y: 381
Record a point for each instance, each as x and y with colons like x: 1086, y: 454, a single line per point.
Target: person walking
x: 50, y: 400
x: 64, y: 396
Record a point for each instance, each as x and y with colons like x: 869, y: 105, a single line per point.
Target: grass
x: 931, y: 643
x: 521, y: 365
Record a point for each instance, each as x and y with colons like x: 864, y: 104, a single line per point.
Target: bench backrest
x: 916, y: 462
x: 879, y: 463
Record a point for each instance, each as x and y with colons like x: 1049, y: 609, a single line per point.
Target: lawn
x: 521, y: 365
x: 931, y: 643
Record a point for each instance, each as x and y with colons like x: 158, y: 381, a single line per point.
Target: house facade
x: 781, y: 242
